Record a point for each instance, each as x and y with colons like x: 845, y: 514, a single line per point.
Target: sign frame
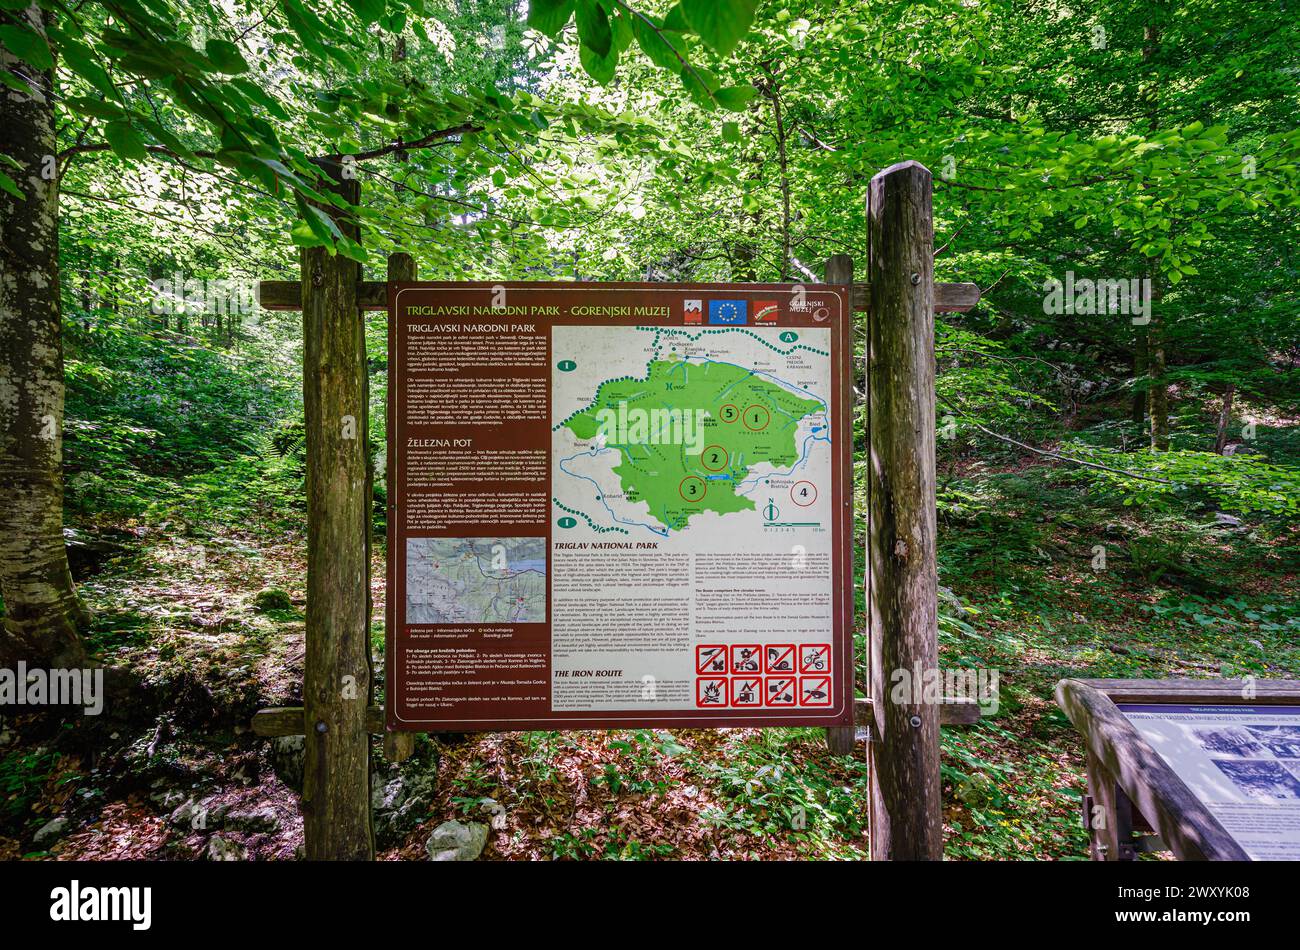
x: 1131, y: 788
x: 840, y: 323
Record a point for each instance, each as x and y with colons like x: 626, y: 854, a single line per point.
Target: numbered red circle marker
x: 803, y: 494
x: 714, y: 458
x: 757, y: 418
x: 692, y: 488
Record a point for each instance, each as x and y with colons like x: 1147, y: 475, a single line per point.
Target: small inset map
x: 475, y: 580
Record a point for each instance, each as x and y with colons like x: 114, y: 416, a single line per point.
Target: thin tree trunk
x: 1139, y: 412
x: 1158, y: 392
x: 42, y: 614
x: 1225, y: 419
x: 774, y: 94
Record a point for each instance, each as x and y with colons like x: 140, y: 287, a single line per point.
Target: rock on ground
x: 457, y: 841
x: 51, y: 831
x: 287, y: 756
x: 400, y: 798
x: 221, y: 848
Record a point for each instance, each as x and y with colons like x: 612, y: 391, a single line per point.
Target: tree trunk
x: 1158, y: 393
x: 1225, y: 419
x: 774, y: 94
x: 43, y: 616
x: 337, y: 667
x: 1139, y: 411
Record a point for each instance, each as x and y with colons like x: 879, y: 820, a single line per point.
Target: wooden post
x: 337, y: 675
x: 1109, y: 815
x: 839, y: 270
x: 902, y: 580
x: 398, y: 746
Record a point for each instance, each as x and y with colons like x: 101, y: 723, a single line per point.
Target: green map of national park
x: 689, y: 432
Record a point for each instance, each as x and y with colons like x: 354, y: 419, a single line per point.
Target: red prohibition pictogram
x: 711, y: 691
x: 778, y: 658
x: 711, y: 658
x: 814, y: 657
x: 746, y: 658
x: 779, y: 691
x: 814, y: 691
x: 746, y: 691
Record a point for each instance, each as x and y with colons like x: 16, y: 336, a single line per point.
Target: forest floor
x: 174, y: 772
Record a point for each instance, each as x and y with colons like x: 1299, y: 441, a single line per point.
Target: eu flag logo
x: 728, y: 312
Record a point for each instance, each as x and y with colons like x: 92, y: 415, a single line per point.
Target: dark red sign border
x: 841, y: 712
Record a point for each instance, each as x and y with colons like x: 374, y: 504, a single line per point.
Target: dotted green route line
x: 659, y: 331
x: 585, y: 517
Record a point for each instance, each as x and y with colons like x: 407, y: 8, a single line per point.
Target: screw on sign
x: 711, y: 658
x: 814, y: 657
x: 779, y: 658
x: 746, y: 691
x: 745, y: 658
x: 780, y: 691
x: 710, y: 692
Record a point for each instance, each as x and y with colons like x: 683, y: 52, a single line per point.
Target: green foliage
x: 26, y: 778
x: 730, y: 141
x: 1238, y: 483
x: 771, y: 793
x: 638, y: 767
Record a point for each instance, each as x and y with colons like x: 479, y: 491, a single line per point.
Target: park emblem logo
x: 693, y: 311
x: 728, y: 312
x: 766, y: 311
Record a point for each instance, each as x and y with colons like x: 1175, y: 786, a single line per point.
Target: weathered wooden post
x: 901, y: 573
x: 398, y: 746
x: 839, y: 270
x: 337, y: 675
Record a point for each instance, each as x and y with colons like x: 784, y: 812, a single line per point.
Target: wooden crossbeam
x: 948, y: 298
x: 952, y: 712
x: 373, y: 295
x: 288, y: 721
x: 287, y: 295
